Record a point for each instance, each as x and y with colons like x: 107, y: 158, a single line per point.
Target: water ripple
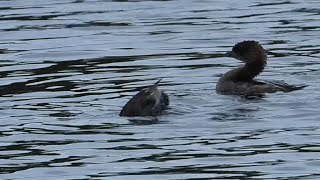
x: 68, y: 67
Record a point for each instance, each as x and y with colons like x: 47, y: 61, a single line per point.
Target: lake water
x: 68, y: 66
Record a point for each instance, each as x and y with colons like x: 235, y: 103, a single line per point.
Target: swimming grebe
x: 148, y: 102
x: 240, y: 81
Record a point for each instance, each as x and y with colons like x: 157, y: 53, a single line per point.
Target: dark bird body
x: 240, y: 81
x: 148, y: 102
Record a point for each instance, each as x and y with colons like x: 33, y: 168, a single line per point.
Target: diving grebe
x: 240, y: 81
x: 148, y: 102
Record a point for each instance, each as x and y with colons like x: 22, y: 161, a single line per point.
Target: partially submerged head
x: 149, y: 101
x: 151, y: 96
x: 248, y: 51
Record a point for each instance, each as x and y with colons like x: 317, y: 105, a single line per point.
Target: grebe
x: 148, y: 102
x: 240, y: 81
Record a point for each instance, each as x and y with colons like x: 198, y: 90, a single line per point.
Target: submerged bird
x: 240, y: 81
x: 148, y: 102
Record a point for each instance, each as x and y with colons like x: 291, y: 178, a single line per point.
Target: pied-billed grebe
x: 240, y: 81
x: 148, y: 102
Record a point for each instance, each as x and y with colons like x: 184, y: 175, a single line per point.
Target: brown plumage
x: 240, y: 81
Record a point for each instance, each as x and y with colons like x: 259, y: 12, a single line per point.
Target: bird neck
x: 250, y: 70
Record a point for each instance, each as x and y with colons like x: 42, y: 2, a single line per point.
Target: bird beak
x: 230, y: 54
x: 156, y: 84
x: 153, y: 87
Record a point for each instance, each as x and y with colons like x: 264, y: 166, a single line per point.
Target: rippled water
x: 67, y: 68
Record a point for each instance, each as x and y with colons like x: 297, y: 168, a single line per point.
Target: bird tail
x: 287, y: 87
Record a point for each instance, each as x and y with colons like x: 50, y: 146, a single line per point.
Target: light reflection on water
x: 67, y: 68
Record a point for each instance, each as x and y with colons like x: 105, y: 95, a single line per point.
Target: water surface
x: 67, y: 68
